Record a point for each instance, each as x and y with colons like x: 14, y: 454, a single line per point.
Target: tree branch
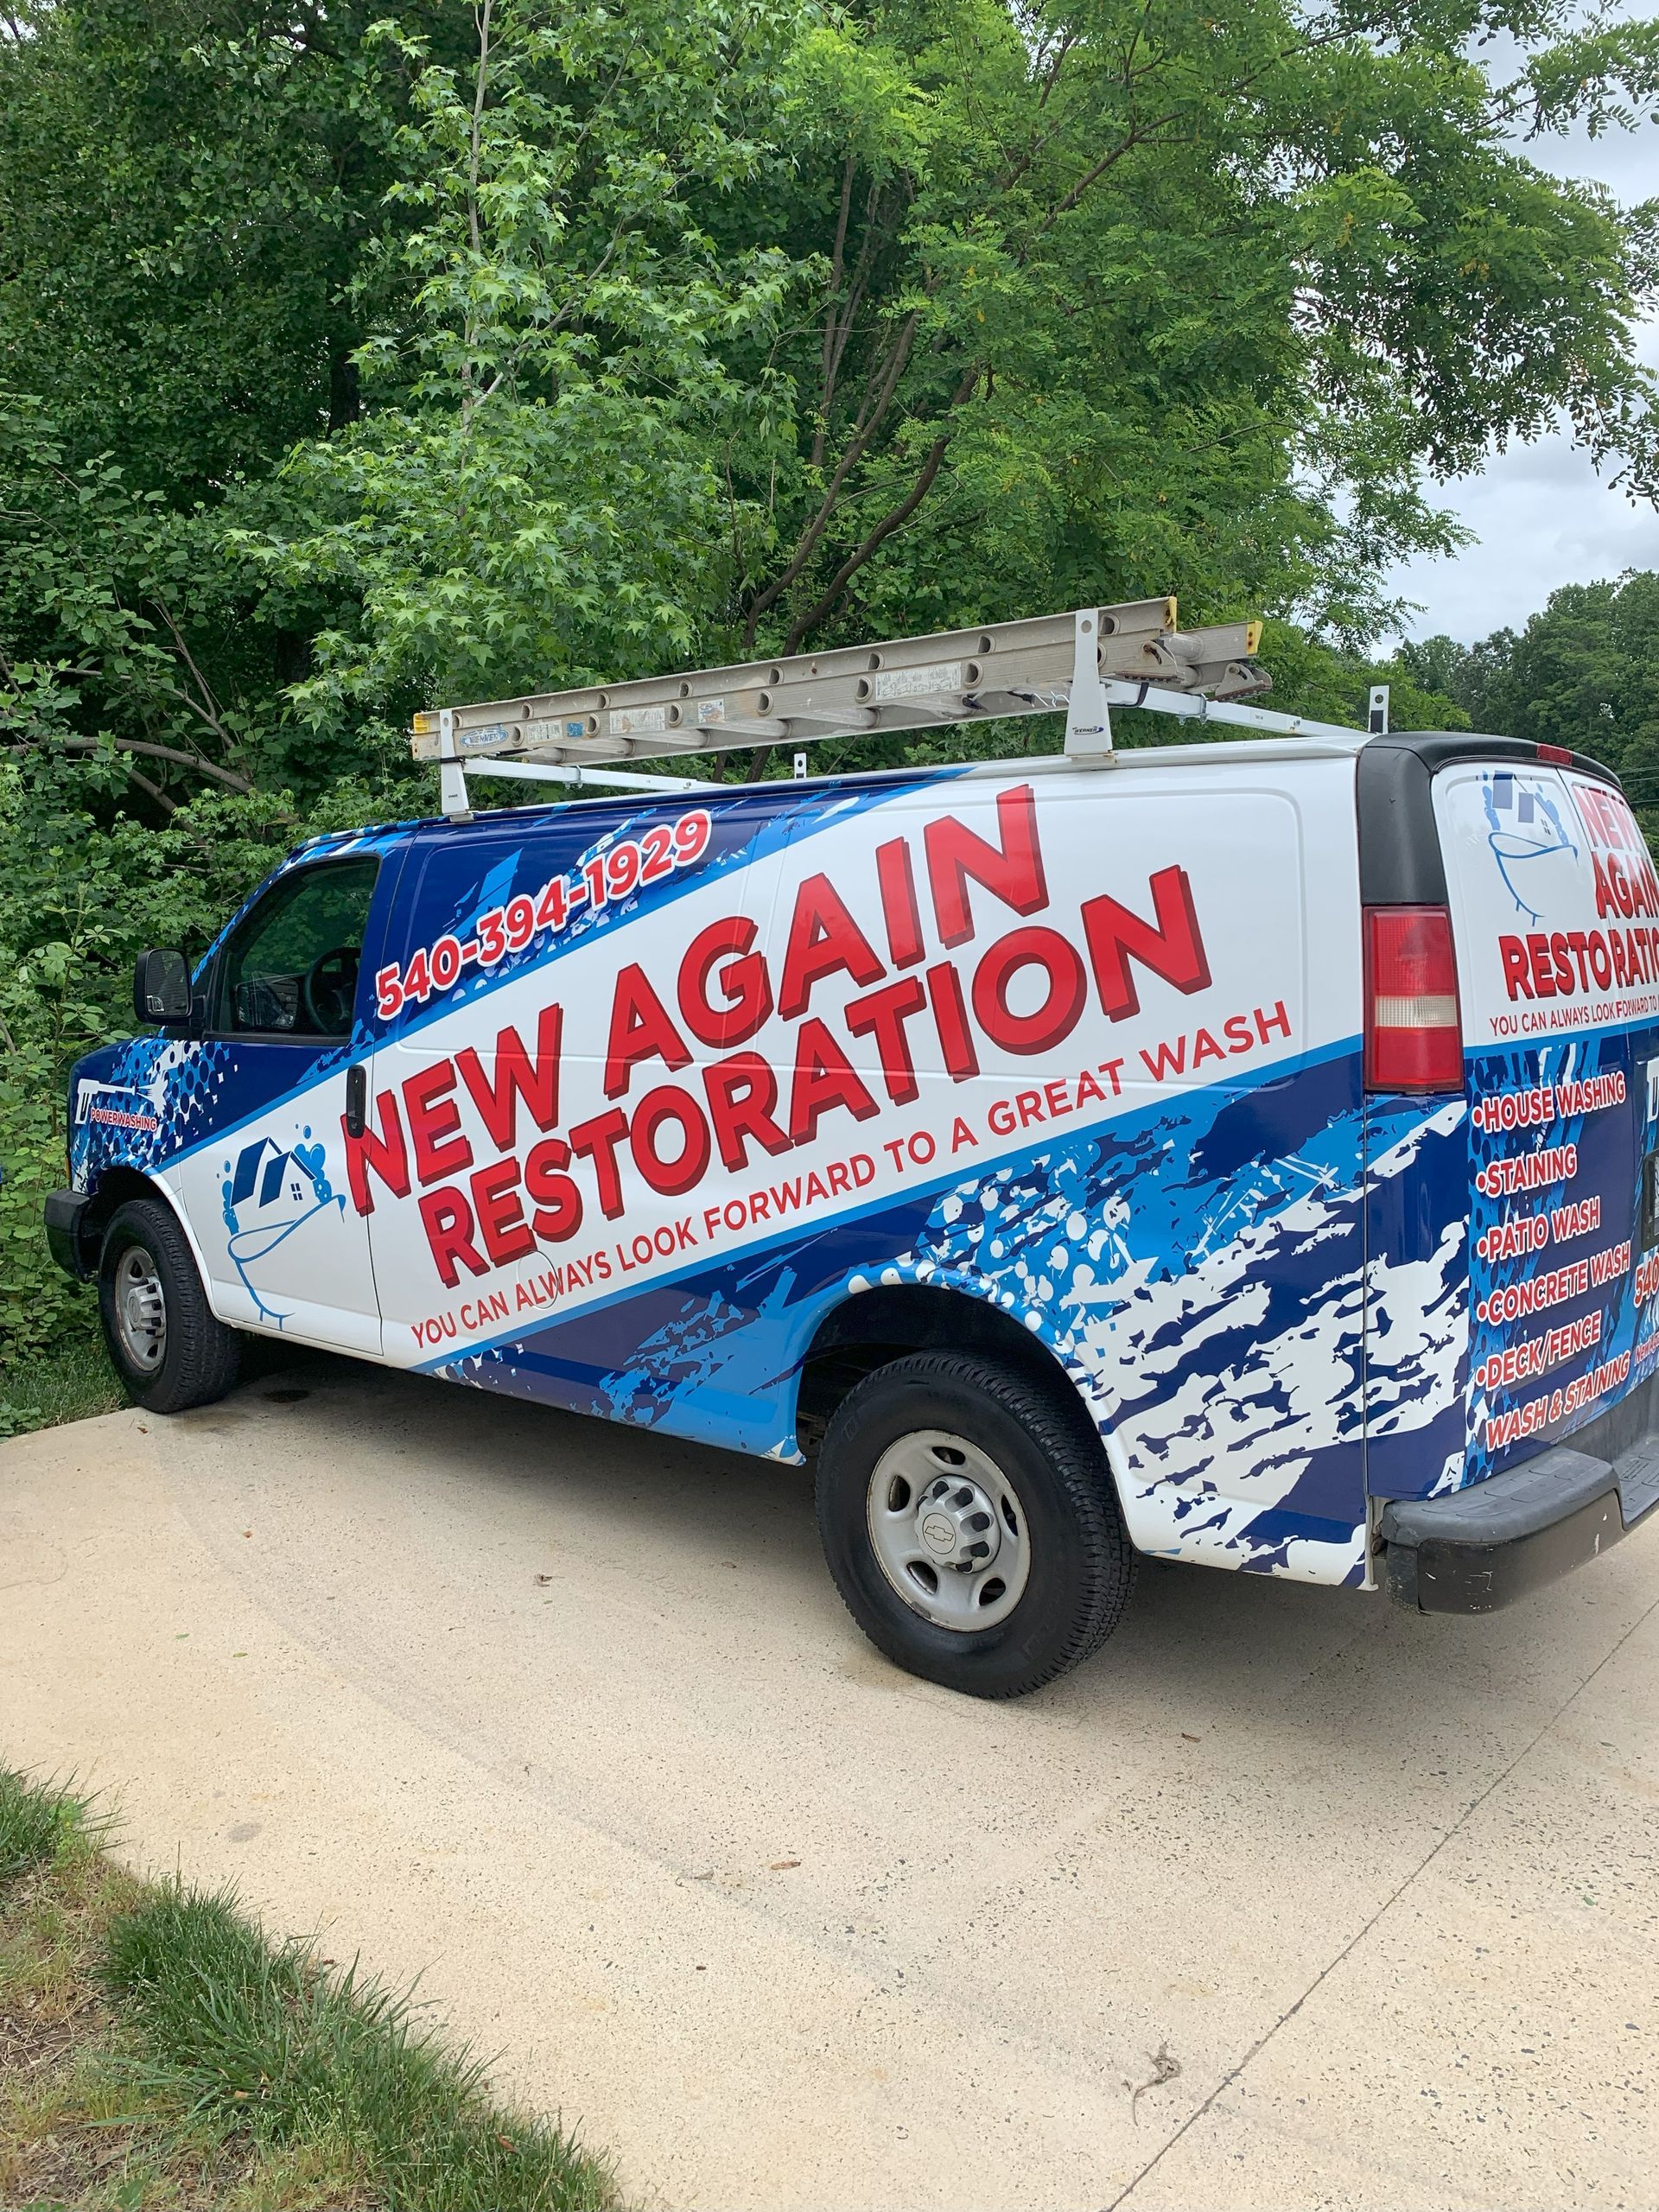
x: 227, y: 777
x: 855, y: 452
x: 1138, y: 137
x: 169, y: 806
x: 894, y: 518
x: 475, y: 140
x: 843, y: 328
x: 475, y: 148
x: 1052, y: 74
x: 1141, y: 132
x: 831, y: 312
x: 209, y: 707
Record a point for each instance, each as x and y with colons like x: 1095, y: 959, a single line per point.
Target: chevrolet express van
x: 1244, y: 1154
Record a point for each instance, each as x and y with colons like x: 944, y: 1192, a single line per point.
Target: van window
x: 291, y: 968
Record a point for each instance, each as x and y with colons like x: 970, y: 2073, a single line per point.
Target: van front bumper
x: 65, y: 1237
x: 1475, y: 1550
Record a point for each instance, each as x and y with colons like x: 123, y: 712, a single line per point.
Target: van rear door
x: 1554, y: 907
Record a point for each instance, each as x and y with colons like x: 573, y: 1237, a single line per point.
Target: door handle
x: 357, y: 1099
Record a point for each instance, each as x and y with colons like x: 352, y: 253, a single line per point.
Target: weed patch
x: 158, y: 2050
x: 72, y: 1382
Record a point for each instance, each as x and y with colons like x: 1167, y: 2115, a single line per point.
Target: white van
x: 1239, y: 1152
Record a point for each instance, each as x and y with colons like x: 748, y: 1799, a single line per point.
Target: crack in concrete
x: 1387, y: 1906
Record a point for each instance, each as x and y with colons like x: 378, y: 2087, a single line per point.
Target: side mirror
x: 161, y: 987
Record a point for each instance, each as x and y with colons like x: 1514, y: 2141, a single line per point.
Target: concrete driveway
x: 569, y: 1720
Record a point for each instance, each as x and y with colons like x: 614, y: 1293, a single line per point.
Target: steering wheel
x: 328, y: 991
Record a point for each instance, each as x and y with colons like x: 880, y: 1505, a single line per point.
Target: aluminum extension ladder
x: 1082, y: 663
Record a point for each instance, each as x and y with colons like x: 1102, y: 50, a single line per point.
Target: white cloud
x: 1542, y: 518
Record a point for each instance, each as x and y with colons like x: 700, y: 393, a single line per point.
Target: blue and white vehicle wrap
x: 1555, y: 914
x: 656, y: 1088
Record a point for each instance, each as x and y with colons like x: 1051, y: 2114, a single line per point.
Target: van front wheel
x: 970, y: 1521
x: 167, y: 1346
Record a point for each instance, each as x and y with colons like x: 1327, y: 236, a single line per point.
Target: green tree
x: 191, y: 196
x: 80, y: 893
x: 189, y: 190
x: 541, y: 487
x: 978, y: 309
x: 1117, y: 296
x: 610, y: 336
x: 1311, y: 676
x: 1582, y: 672
x: 99, y: 586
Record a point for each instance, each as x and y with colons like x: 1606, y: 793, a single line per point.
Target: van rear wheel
x: 970, y: 1520
x: 167, y: 1346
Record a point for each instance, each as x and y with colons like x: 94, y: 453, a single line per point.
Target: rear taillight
x: 1559, y: 756
x: 1414, y: 1038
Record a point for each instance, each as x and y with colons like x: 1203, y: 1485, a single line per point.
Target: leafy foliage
x: 80, y: 895
x: 1584, y: 672
x: 535, y: 494
x: 1118, y: 292
x: 189, y: 194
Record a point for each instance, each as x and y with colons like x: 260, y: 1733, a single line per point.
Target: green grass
x: 71, y: 1383
x: 158, y: 2050
x: 42, y: 1823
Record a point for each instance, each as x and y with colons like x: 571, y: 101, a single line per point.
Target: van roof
x: 1431, y: 749
x: 1337, y: 746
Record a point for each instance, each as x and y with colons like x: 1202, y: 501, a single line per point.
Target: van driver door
x: 289, y: 996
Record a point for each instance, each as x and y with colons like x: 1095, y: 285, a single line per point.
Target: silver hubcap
x: 140, y: 1309
x: 949, y: 1530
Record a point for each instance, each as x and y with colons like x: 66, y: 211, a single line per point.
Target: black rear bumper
x: 1477, y: 1549
x: 66, y: 1233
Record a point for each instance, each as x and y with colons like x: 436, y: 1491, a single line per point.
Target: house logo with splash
x: 269, y: 1195
x: 1537, y: 854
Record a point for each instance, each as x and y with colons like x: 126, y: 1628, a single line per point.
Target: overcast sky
x: 1540, y: 514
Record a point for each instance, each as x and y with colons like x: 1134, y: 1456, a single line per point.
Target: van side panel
x: 1084, y: 1046
x: 1417, y: 1293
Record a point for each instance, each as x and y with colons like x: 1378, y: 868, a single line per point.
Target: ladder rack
x: 1082, y: 663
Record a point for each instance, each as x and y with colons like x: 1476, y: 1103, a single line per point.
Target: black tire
x: 197, y: 1358
x: 1080, y: 1563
